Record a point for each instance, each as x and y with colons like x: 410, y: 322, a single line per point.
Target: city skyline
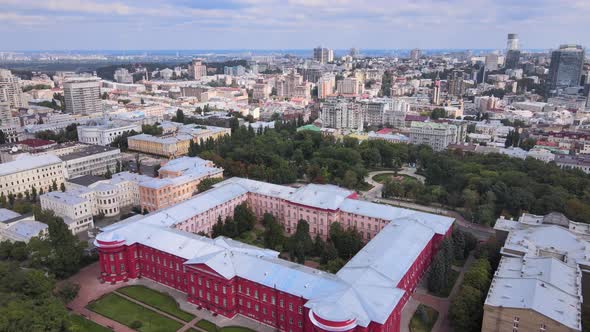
x: 290, y: 24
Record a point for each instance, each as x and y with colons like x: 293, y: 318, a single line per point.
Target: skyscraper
x: 436, y: 91
x: 323, y: 55
x: 10, y: 90
x: 512, y: 52
x: 415, y: 54
x: 354, y: 52
x: 492, y: 62
x: 82, y: 95
x: 197, y: 69
x: 566, y: 65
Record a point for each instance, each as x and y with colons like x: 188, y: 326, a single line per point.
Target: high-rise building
x: 415, y: 54
x: 512, y: 43
x: 122, y: 75
x: 455, y: 86
x: 492, y: 62
x: 82, y: 95
x: 323, y: 55
x: 10, y: 90
x: 326, y: 86
x: 349, y: 85
x: 341, y: 114
x: 197, y: 69
x: 512, y: 52
x: 436, y: 92
x: 354, y: 52
x: 566, y: 65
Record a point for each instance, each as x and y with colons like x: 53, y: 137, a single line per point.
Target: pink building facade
x: 229, y: 278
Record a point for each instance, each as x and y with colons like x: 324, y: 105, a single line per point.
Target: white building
x: 122, y: 75
x: 10, y: 89
x: 341, y: 114
x: 15, y: 227
x: 82, y: 95
x: 105, y: 132
x: 91, y: 160
x: 436, y: 135
x: 74, y: 208
x: 37, y: 171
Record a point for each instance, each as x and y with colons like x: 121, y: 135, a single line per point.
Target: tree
x: 244, y: 218
x: 217, y: 229
x: 330, y: 253
x: 2, y: 137
x: 62, y: 187
x: 179, y: 116
x: 3, y: 201
x: 300, y: 244
x: 118, y: 167
x: 273, y: 234
x: 54, y: 185
x: 208, y: 183
x: 33, y: 193
x: 438, y: 113
x: 458, y: 244
x: 466, y: 310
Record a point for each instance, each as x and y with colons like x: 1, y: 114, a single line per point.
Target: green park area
x: 155, y: 299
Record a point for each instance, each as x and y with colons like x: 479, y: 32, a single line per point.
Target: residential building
x: 349, y: 86
x: 74, y: 209
x: 91, y: 160
x: 231, y: 278
x: 292, y: 85
x: 538, y: 283
x: 341, y: 113
x: 41, y: 172
x: 178, y: 181
x: 415, y: 54
x: 323, y: 55
x: 436, y: 135
x: 436, y: 92
x: 326, y: 85
x: 104, y: 132
x: 197, y: 69
x: 491, y: 62
x: 566, y: 65
x: 15, y: 227
x: 261, y: 91
x: 10, y: 89
x: 234, y: 71
x: 82, y: 95
x: 455, y: 85
x: 122, y: 75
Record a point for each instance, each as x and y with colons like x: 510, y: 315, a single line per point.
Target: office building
x: 122, y: 75
x: 538, y: 283
x: 91, y: 160
x: 41, y: 172
x: 491, y: 62
x: 323, y: 55
x: 566, y: 65
x: 82, y: 95
x: 10, y: 89
x: 197, y: 69
x: 512, y: 42
x: 230, y: 278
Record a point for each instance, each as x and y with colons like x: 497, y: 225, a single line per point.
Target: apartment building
x: 105, y: 132
x: 261, y: 91
x: 82, y: 95
x: 10, y: 89
x: 349, y: 86
x: 197, y: 69
x: 538, y: 283
x: 231, y: 278
x: 20, y: 176
x: 326, y: 86
x: 341, y: 113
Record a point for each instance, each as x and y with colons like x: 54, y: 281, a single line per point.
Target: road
x: 374, y: 194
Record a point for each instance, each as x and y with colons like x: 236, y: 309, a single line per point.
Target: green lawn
x: 210, y: 327
x: 82, y: 324
x: 423, y: 319
x: 384, y: 176
x: 126, y: 312
x: 160, y: 301
x: 447, y: 290
x: 206, y: 325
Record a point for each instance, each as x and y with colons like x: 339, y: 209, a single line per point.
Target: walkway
x: 440, y: 304
x: 91, y: 289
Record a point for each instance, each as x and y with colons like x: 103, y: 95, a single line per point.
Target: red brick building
x: 229, y: 278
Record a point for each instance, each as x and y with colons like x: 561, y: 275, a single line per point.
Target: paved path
x: 440, y: 304
x: 374, y: 194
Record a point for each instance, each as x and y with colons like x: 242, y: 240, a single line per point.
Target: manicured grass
x: 452, y: 280
x: 80, y: 323
x: 206, y: 325
x: 210, y: 327
x: 126, y: 312
x: 423, y: 319
x: 160, y: 301
x: 384, y: 176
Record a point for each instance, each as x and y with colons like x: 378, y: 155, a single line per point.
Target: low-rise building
x: 75, y: 208
x: 105, y: 132
x: 91, y: 159
x: 15, y: 227
x: 436, y: 135
x: 41, y: 172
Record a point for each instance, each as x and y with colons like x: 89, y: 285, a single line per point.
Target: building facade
x: 41, y: 172
x: 91, y: 160
x: 82, y: 95
x: 436, y: 135
x: 230, y: 278
x: 341, y: 114
x: 75, y: 210
x: 10, y: 89
x: 105, y: 132
x: 566, y: 65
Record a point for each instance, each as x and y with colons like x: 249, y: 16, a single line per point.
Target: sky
x: 289, y: 24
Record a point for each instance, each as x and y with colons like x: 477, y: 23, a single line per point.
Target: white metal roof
x: 29, y: 162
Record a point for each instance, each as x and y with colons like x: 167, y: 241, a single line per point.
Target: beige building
x: 19, y: 176
x: 326, y: 85
x: 350, y: 86
x: 436, y: 135
x: 176, y: 144
x: 197, y: 69
x: 538, y: 283
x: 10, y: 89
x: 75, y: 210
x: 82, y: 95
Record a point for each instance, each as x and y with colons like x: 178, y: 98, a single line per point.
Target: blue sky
x: 293, y: 24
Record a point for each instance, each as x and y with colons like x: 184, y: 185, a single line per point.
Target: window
x: 300, y: 309
x: 291, y: 306
x: 281, y: 303
x: 543, y: 328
